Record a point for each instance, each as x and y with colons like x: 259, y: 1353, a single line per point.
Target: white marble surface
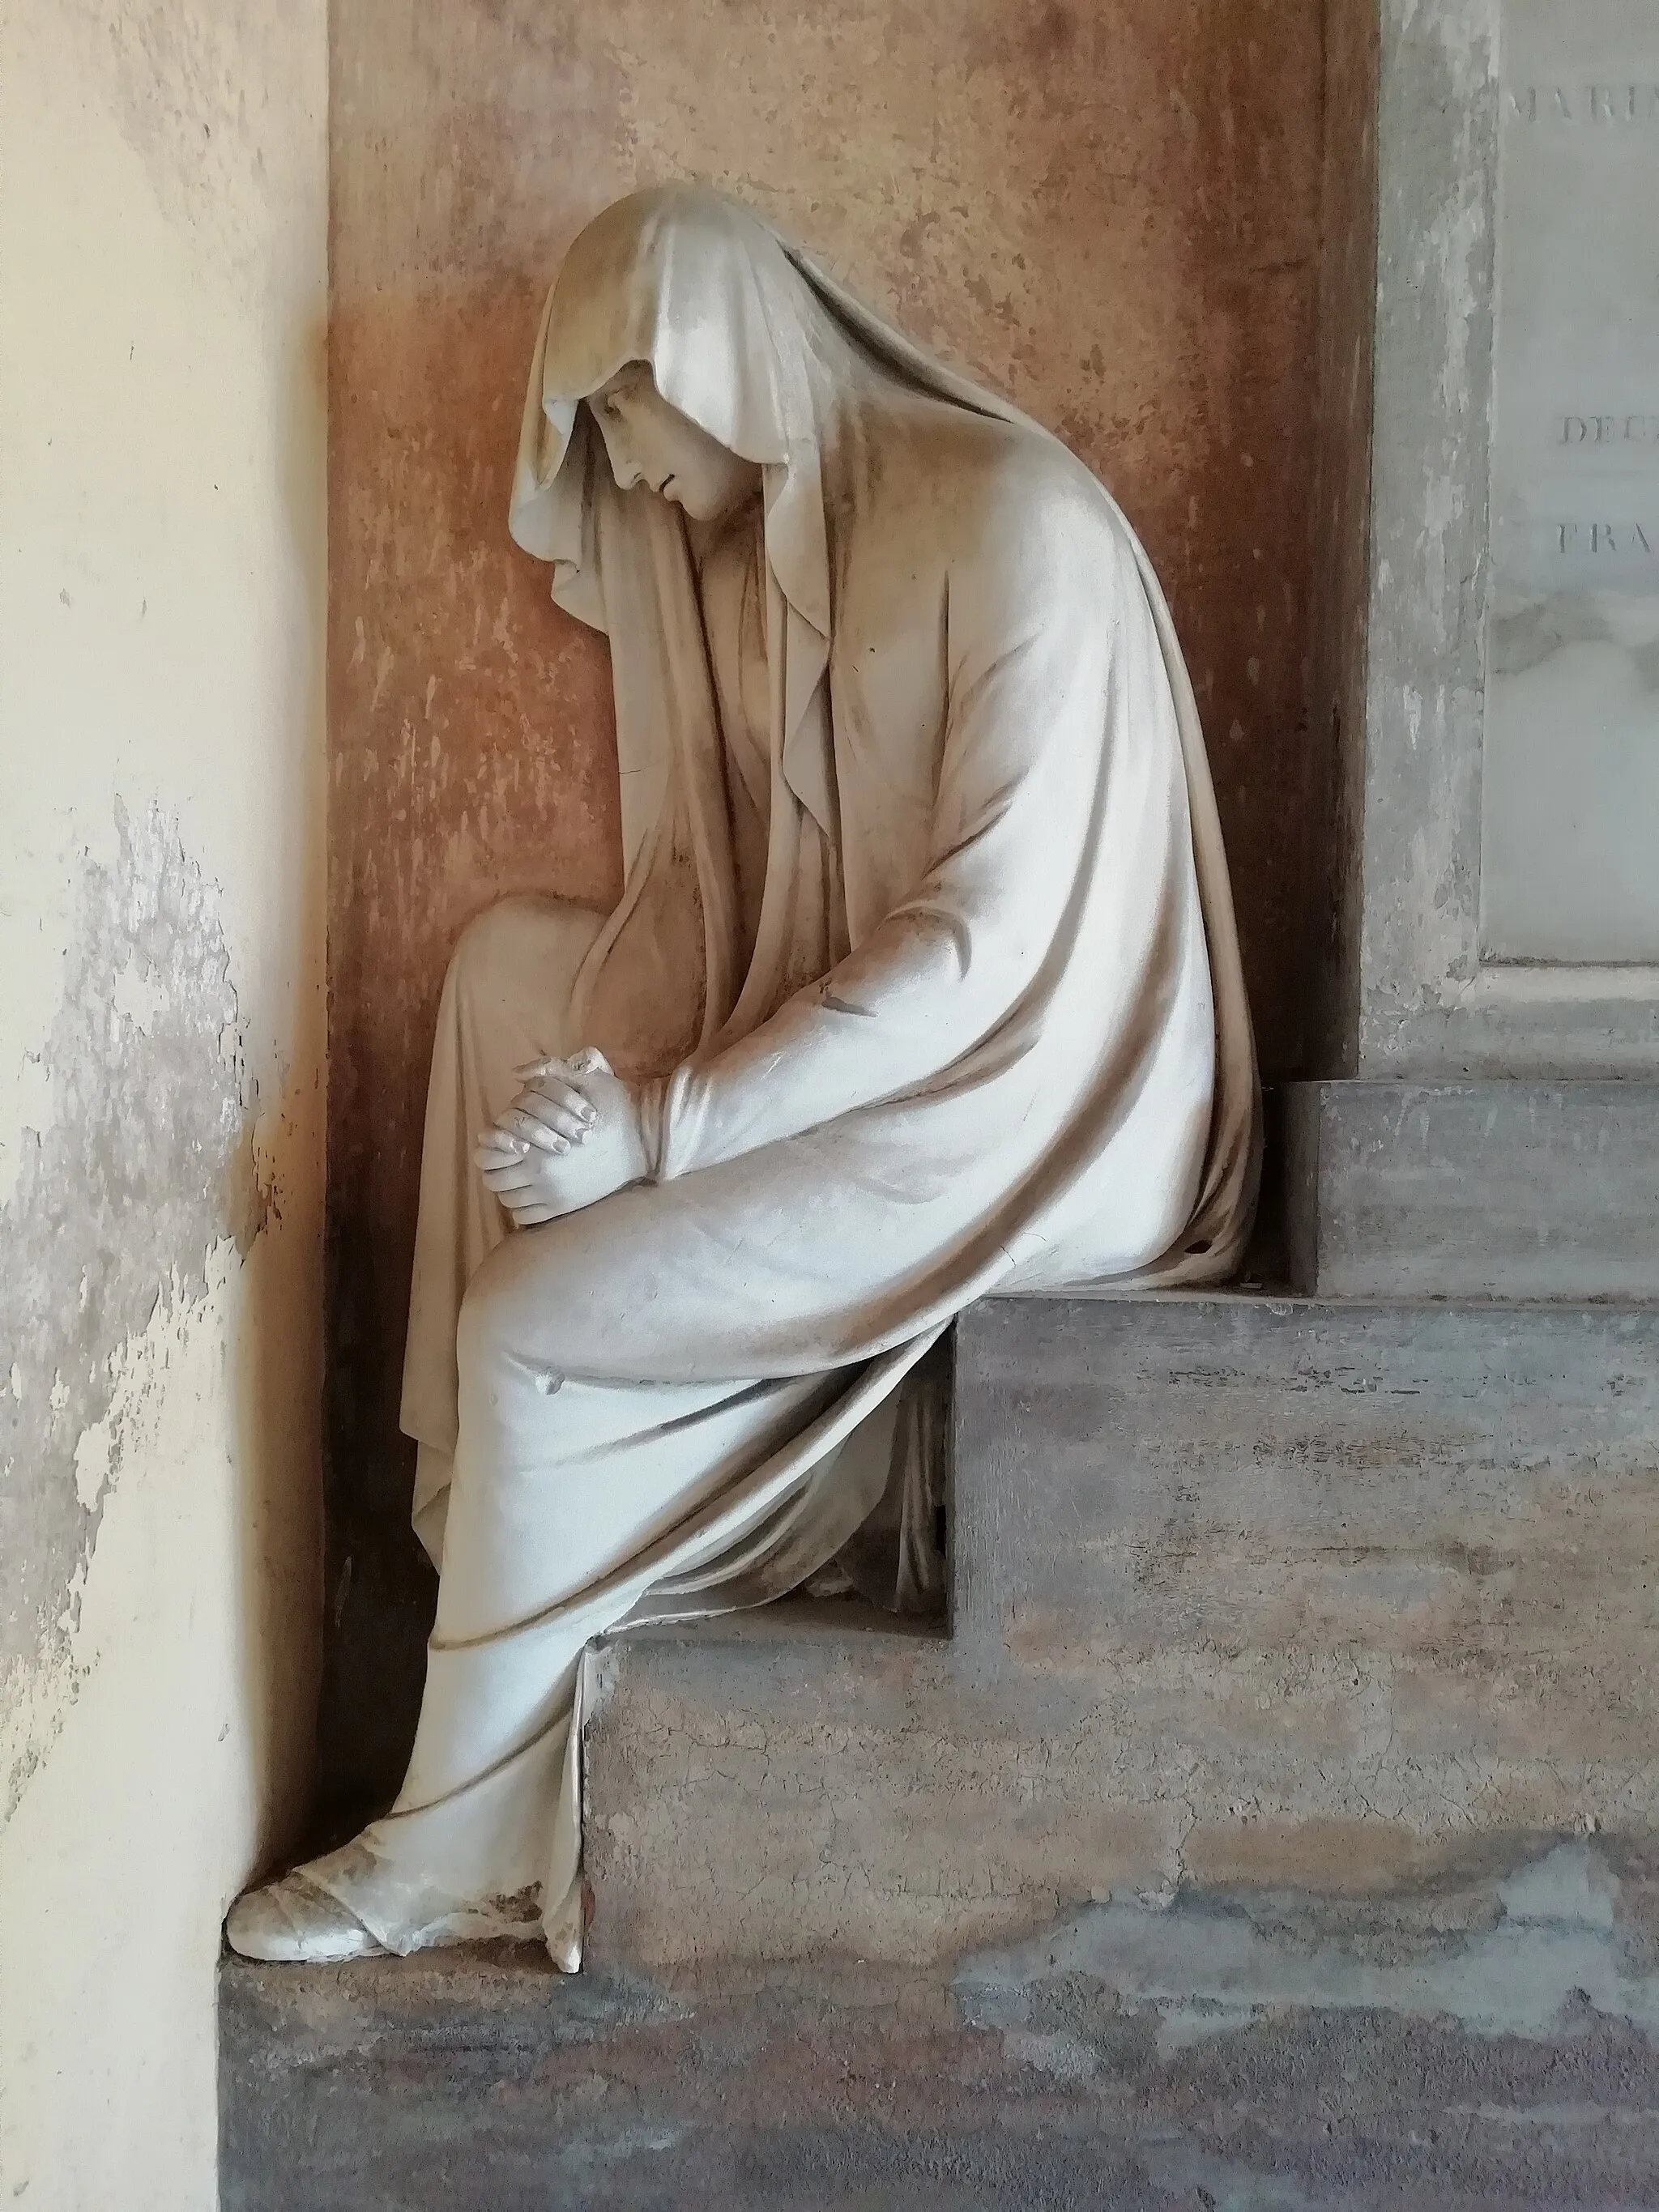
x: 1570, y: 811
x: 924, y: 982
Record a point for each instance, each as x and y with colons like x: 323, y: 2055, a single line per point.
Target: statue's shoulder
x: 982, y: 479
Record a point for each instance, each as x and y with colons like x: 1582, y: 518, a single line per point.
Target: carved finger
x: 543, y: 1113
x: 540, y: 1126
x: 553, y: 1090
x: 499, y: 1152
x: 518, y: 1175
x: 589, y: 1060
x: 572, y: 1121
x: 553, y: 1087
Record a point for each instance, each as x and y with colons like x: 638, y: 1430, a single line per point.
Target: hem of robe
x: 757, y: 1540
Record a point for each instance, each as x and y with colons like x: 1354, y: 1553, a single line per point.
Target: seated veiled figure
x: 924, y: 983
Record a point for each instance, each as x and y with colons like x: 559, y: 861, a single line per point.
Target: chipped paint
x: 145, y: 1164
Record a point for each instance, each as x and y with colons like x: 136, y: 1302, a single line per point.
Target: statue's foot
x: 357, y: 1903
x: 293, y: 1919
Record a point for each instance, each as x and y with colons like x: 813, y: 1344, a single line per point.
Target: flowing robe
x: 928, y: 965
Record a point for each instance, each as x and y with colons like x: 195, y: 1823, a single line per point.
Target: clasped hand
x: 570, y: 1138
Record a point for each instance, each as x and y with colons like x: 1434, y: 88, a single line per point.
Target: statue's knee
x: 490, y: 938
x: 479, y: 1334
x: 525, y: 933
x: 490, y: 1350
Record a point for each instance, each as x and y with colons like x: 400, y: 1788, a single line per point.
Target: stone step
x: 1272, y: 1828
x: 1247, y: 1592
x: 1490, y: 1189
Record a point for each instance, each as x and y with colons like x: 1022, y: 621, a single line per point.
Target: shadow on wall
x: 279, y: 1356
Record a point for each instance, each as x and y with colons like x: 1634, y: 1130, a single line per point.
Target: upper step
x: 1246, y: 1591
x: 1492, y: 1189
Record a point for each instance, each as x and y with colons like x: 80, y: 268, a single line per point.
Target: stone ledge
x: 1472, y: 1190
x: 807, y: 1622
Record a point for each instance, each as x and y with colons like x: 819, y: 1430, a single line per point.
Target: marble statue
x: 924, y: 983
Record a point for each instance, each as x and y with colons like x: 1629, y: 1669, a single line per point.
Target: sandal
x: 293, y: 1919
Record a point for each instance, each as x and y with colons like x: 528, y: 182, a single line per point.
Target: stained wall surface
x: 1110, y: 212
x: 162, y: 574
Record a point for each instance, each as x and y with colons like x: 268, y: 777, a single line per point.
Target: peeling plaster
x: 143, y: 1165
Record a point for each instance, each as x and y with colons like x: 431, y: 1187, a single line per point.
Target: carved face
x: 651, y: 443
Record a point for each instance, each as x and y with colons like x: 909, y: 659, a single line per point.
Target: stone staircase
x: 1275, y: 1825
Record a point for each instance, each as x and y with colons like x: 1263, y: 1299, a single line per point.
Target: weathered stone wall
x: 1345, y: 331
x: 162, y: 560
x: 1422, y: 1002
x: 1112, y: 213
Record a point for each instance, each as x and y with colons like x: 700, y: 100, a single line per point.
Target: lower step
x: 1486, y: 2043
x: 1246, y: 1591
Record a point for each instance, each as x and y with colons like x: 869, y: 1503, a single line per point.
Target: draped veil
x: 754, y: 342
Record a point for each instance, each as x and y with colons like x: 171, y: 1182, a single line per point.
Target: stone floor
x: 481, y: 2081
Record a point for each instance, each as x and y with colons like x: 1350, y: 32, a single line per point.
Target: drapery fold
x: 753, y: 341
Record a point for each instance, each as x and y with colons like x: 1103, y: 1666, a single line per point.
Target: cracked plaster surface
x: 144, y: 1165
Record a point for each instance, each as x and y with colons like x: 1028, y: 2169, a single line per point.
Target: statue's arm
x: 1031, y: 677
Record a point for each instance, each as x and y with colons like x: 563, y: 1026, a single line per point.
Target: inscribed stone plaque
x: 1570, y: 808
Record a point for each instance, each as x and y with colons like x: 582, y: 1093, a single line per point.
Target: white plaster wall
x: 162, y: 554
